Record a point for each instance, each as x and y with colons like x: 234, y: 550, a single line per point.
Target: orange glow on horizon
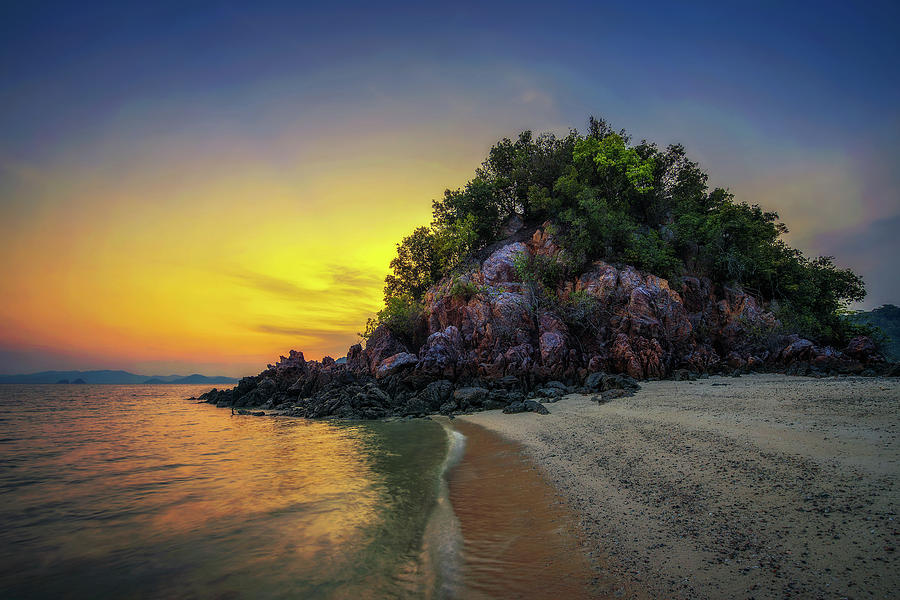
x: 225, y: 265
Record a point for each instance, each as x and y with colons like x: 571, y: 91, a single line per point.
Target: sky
x: 192, y: 187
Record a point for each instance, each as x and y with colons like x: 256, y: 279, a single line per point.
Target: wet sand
x: 763, y: 486
x: 520, y: 539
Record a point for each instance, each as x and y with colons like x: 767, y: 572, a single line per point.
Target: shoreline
x: 763, y: 486
x: 519, y: 540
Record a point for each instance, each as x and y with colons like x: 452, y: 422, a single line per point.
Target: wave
x: 443, y: 541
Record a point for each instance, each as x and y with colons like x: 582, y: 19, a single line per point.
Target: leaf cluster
x: 610, y: 199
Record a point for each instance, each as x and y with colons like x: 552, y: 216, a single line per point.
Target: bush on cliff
x: 607, y: 198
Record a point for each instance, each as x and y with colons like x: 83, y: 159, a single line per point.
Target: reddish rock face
x: 442, y: 352
x: 500, y: 266
x: 862, y: 348
x: 514, y: 338
x: 380, y: 345
x: 639, y: 324
x: 394, y: 364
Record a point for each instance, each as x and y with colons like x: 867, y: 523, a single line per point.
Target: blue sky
x: 105, y: 109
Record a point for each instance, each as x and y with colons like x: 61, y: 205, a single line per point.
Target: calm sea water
x: 134, y: 492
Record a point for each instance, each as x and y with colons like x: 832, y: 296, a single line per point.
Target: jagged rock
x: 500, y: 266
x: 554, y: 350
x: 470, y: 397
x: 798, y: 350
x: 862, y: 348
x: 393, y: 364
x: 536, y: 407
x: 442, y: 352
x: 266, y: 388
x: 448, y: 407
x: 640, y: 357
x: 515, y: 407
x: 437, y: 393
x: 380, y: 345
x: 504, y: 343
x: 357, y: 360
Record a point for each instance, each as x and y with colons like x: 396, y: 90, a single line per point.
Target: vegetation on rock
x: 607, y: 198
x: 886, y: 319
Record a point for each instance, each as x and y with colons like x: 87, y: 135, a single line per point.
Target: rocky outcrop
x: 501, y: 344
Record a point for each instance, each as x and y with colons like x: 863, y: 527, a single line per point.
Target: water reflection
x: 110, y: 491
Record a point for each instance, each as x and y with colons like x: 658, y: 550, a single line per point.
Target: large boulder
x: 442, y: 352
x: 862, y: 348
x: 470, y: 397
x: 395, y: 363
x: 380, y: 345
x: 500, y: 266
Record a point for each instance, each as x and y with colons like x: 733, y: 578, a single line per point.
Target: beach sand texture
x: 763, y: 486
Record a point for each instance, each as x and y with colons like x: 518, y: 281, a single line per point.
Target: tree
x: 608, y: 198
x: 416, y: 266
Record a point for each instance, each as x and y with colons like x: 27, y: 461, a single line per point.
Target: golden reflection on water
x: 237, y: 506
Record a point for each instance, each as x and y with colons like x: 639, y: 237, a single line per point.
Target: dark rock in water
x: 516, y: 407
x: 536, y: 407
x: 251, y: 413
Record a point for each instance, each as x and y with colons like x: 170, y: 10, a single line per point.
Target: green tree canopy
x: 621, y: 202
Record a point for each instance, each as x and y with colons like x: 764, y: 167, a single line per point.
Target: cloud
x: 340, y: 280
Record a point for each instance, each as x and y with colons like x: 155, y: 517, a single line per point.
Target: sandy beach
x: 763, y: 486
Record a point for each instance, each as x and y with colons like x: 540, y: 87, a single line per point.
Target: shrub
x: 463, y: 288
x: 402, y: 315
x: 545, y: 271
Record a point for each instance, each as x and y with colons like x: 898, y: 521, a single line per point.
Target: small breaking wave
x: 442, y: 543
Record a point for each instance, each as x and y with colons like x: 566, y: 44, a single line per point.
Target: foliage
x: 580, y: 310
x: 610, y: 199
x: 401, y: 314
x: 547, y: 271
x: 648, y: 251
x: 416, y: 267
x: 465, y: 289
x: 885, y: 323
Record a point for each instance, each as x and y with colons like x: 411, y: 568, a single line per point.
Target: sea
x: 134, y: 491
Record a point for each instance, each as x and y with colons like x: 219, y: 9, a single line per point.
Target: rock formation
x: 500, y: 347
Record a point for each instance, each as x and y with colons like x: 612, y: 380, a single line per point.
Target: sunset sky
x: 194, y: 189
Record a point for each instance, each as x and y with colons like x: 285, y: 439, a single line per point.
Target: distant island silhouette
x: 111, y: 377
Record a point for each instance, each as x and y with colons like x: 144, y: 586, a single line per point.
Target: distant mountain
x: 110, y: 377
x: 886, y: 318
x: 195, y: 378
